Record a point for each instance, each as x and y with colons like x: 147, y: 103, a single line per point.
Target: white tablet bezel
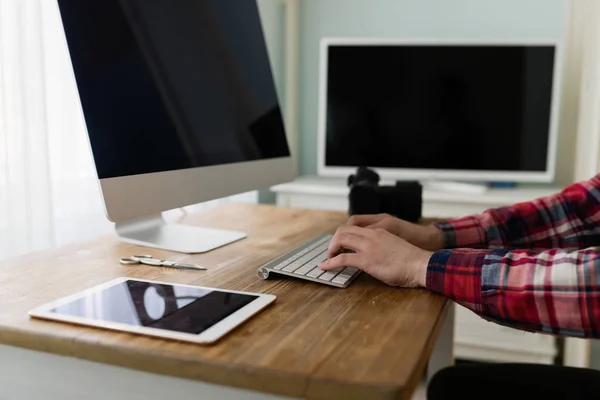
x: 210, y: 335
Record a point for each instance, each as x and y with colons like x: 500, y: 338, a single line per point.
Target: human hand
x: 426, y: 237
x: 380, y: 254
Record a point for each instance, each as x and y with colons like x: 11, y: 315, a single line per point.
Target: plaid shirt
x: 551, y: 284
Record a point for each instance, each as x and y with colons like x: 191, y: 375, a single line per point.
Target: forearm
x: 550, y: 292
x: 570, y: 219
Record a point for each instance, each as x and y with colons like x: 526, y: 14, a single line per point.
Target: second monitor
x: 180, y: 106
x: 440, y: 109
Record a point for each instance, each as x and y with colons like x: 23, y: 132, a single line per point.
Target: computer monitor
x: 180, y: 107
x: 439, y: 110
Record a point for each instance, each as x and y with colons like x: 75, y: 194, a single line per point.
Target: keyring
x: 134, y: 259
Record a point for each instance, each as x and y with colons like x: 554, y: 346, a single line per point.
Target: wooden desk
x: 366, y: 341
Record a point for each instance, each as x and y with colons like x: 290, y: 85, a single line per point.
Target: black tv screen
x: 442, y: 107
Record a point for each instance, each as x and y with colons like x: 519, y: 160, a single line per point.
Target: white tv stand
x: 332, y: 194
x: 455, y: 187
x: 475, y: 338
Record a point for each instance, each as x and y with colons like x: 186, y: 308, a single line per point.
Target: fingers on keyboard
x: 304, y: 264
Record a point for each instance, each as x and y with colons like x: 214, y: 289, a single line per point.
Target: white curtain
x: 49, y: 194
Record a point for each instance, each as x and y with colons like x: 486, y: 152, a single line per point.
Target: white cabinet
x: 480, y: 340
x: 474, y: 338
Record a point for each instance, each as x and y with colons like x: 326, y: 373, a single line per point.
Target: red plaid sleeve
x: 554, y: 291
x: 569, y: 219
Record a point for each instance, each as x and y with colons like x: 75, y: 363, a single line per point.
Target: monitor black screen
x: 168, y: 85
x: 457, y: 107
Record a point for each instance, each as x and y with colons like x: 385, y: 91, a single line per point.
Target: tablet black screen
x: 171, y: 307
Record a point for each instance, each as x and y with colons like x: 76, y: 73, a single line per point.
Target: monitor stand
x: 157, y: 233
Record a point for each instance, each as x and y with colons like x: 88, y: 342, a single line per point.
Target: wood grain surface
x: 368, y: 341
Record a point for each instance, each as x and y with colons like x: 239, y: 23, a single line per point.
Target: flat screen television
x: 430, y: 110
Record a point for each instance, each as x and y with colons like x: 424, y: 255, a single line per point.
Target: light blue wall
x: 462, y: 19
x: 273, y: 20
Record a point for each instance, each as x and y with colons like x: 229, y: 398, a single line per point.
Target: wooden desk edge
x: 419, y: 371
x: 321, y: 389
x: 263, y: 380
x: 87, y: 344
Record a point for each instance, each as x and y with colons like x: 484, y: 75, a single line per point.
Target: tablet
x: 171, y: 311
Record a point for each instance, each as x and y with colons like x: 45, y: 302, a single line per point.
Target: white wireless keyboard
x: 302, y: 262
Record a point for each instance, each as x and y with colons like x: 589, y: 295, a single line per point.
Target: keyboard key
x: 301, y: 253
x: 283, y: 264
x: 305, y: 269
x: 341, y: 279
x: 317, y: 252
x: 337, y: 270
x: 287, y: 262
x: 327, y: 276
x: 350, y: 271
x: 309, y: 266
x: 304, y: 261
x: 315, y: 273
x: 347, y: 272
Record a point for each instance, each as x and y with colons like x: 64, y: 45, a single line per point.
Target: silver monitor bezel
x: 137, y: 196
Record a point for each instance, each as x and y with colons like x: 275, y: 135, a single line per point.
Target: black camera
x: 403, y: 200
